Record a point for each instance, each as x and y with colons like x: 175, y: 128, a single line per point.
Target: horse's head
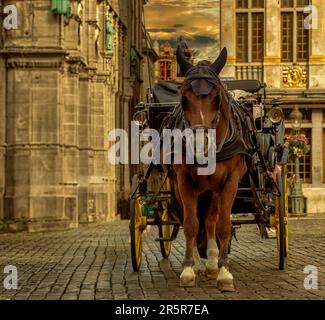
x: 202, y: 90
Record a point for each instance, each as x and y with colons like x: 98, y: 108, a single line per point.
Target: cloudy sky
x: 197, y: 20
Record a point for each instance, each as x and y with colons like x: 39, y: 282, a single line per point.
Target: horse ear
x: 182, y: 61
x: 220, y: 62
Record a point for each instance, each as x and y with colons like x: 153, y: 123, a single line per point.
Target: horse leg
x: 191, y: 228
x: 197, y: 260
x: 225, y: 280
x: 211, y: 266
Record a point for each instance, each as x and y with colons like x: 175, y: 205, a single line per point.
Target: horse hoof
x: 212, y: 274
x: 226, y: 285
x: 187, y: 283
x: 188, y: 278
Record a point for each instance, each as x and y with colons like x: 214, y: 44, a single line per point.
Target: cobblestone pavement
x: 93, y: 262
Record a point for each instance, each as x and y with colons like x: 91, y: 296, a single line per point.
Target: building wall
x: 308, y: 95
x: 60, y: 95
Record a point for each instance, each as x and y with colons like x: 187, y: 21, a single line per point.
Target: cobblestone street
x: 93, y: 262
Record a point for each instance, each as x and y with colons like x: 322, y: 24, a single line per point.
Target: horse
x: 206, y: 104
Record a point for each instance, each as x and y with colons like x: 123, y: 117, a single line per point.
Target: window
x: 165, y: 70
x: 295, y: 38
x: 287, y: 36
x: 250, y: 31
x: 257, y: 37
x: 241, y: 4
x: 242, y: 37
x: 257, y: 3
x: 302, y: 38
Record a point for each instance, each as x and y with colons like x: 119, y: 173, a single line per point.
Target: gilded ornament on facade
x: 294, y: 77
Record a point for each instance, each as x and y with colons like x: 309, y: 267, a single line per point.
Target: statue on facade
x: 133, y: 60
x: 79, y: 19
x: 109, y: 36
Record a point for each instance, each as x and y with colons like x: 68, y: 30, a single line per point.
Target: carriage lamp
x: 297, y: 198
x: 140, y: 118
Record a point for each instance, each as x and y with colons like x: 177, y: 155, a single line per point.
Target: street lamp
x: 297, y: 197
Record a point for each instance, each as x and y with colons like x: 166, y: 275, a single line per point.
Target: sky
x: 197, y: 20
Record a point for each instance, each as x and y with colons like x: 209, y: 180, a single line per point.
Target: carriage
x: 262, y: 194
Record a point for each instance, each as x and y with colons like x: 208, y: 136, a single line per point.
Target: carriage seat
x: 251, y: 86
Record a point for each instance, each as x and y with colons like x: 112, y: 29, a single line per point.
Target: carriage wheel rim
x: 137, y: 226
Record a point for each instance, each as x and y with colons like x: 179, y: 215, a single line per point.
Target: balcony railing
x: 249, y: 72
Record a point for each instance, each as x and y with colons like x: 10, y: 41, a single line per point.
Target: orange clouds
x: 196, y: 20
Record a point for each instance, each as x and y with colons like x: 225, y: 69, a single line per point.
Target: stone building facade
x: 66, y: 81
x: 282, y: 44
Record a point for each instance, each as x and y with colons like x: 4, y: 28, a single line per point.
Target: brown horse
x: 206, y: 104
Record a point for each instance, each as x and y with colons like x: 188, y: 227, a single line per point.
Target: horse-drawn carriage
x: 260, y: 192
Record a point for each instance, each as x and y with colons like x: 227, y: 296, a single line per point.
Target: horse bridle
x: 215, y: 122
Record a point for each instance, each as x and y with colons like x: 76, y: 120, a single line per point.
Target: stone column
x: 317, y: 57
x: 272, y: 59
x: 84, y: 201
x: 99, y: 174
x: 70, y: 93
x: 317, y: 148
x: 111, y: 169
x: 228, y: 36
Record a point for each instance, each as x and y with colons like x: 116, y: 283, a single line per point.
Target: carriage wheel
x: 167, y: 231
x: 282, y: 218
x: 138, y: 224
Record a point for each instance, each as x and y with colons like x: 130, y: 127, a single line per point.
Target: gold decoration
x: 294, y: 77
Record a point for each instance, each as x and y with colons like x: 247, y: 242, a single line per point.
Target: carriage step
x: 243, y: 218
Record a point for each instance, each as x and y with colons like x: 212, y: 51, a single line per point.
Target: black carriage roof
x: 167, y: 91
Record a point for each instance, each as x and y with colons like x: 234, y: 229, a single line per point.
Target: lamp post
x: 297, y: 197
